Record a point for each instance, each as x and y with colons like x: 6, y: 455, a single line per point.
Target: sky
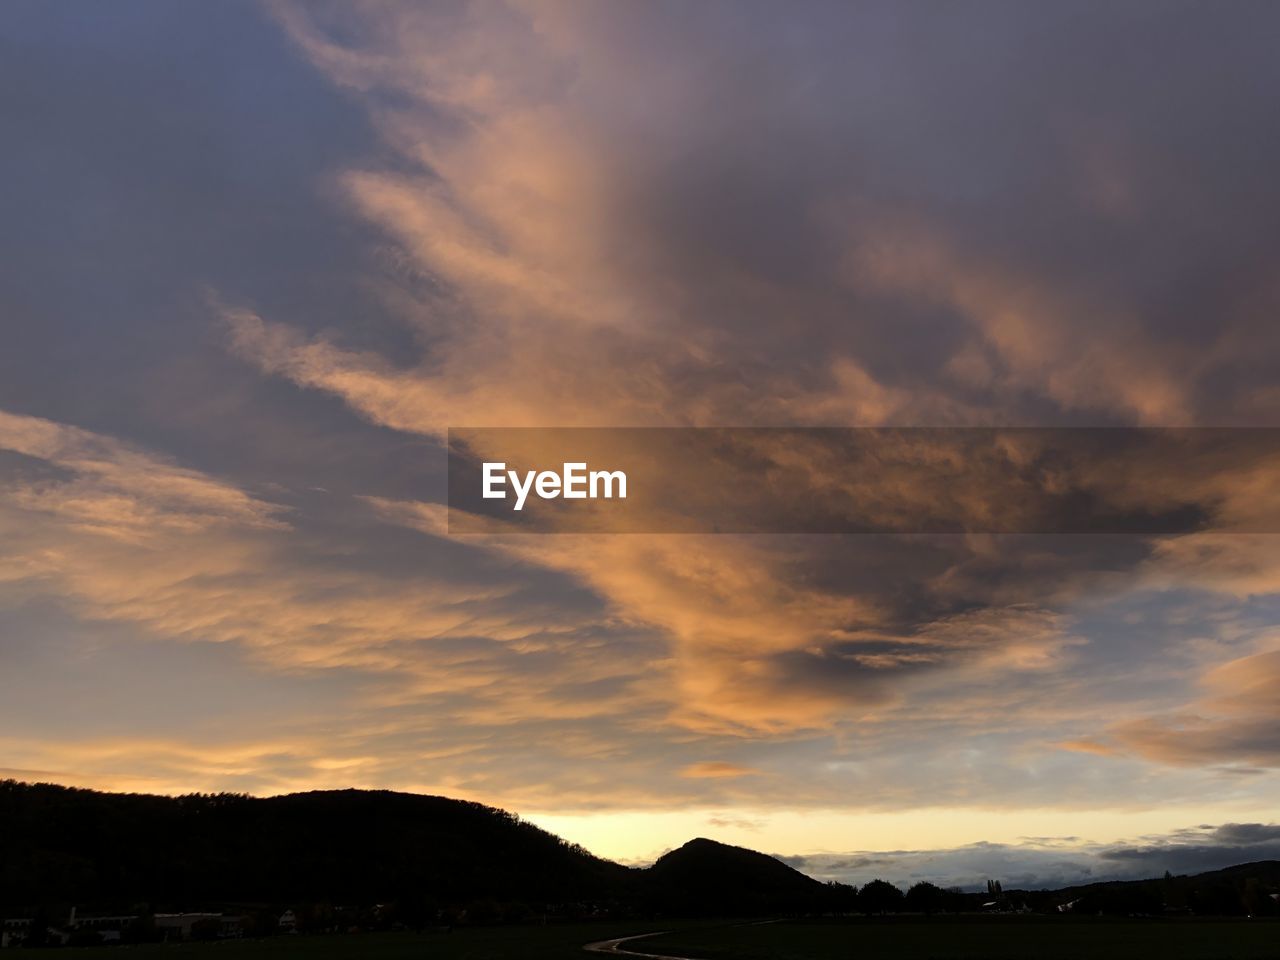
x: 259, y: 257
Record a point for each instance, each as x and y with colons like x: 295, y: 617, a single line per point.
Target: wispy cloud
x: 549, y: 226
x: 514, y: 214
x: 1234, y: 724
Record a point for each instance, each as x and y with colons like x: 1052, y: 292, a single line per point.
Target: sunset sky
x: 259, y: 257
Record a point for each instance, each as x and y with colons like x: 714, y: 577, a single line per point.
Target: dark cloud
x: 1057, y: 862
x: 1200, y: 849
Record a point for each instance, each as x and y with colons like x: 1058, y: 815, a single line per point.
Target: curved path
x: 615, y: 946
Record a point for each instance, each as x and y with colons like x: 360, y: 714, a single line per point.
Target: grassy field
x: 979, y: 938
x: 552, y: 942
x: 899, y: 938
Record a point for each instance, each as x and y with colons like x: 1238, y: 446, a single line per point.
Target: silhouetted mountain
x: 61, y: 845
x: 706, y: 877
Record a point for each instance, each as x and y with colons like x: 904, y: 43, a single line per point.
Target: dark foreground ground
x: 899, y: 938
x: 980, y: 938
x: 552, y: 942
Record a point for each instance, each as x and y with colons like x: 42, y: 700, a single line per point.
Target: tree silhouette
x: 880, y: 896
x: 925, y: 897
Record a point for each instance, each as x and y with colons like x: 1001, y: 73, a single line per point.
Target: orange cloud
x: 716, y: 769
x: 1233, y: 724
x: 1029, y: 337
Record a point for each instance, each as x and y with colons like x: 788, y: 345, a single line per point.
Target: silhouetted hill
x: 62, y: 845
x: 1245, y: 888
x: 420, y: 855
x: 706, y: 877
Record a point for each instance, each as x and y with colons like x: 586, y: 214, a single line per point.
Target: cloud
x: 562, y: 214
x: 715, y: 769
x: 579, y: 253
x: 1046, y: 863
x: 736, y: 823
x: 573, y: 227
x: 1197, y: 849
x: 1237, y: 722
x: 118, y: 535
x: 111, y: 489
x: 583, y: 260
x: 701, y: 642
x: 1028, y: 338
x: 759, y: 646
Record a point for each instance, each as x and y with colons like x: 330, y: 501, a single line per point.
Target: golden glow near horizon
x: 642, y: 836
